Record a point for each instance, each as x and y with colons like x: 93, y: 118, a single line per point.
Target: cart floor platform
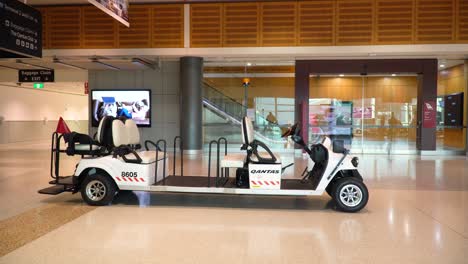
x: 202, y: 181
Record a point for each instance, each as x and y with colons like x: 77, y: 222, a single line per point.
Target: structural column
x: 191, y: 78
x: 302, y: 98
x: 465, y: 105
x: 427, y: 93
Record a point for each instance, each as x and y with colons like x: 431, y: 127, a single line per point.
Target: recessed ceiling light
x: 442, y: 65
x: 341, y: 75
x: 249, y: 64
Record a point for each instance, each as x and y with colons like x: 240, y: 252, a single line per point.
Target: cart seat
x: 82, y: 144
x: 254, y: 146
x: 233, y: 161
x: 86, y: 147
x: 277, y: 156
x: 147, y: 157
x: 126, y: 136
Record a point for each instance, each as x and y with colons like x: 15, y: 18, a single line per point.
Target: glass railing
x: 265, y: 130
x: 224, y: 102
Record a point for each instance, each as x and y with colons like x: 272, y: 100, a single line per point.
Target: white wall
x: 23, y: 104
x: 29, y: 114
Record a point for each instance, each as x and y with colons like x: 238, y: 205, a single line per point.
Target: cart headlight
x: 355, y: 161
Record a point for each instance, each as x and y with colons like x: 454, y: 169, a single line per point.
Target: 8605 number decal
x: 129, y: 174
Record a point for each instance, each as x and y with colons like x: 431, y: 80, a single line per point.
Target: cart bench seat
x: 233, y: 161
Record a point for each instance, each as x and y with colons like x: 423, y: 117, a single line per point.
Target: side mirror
x: 338, y: 146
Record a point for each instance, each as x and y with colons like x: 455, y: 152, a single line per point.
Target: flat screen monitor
x: 131, y: 104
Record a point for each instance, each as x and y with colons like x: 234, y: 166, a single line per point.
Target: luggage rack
x: 60, y: 183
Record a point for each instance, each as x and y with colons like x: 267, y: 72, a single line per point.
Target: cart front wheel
x: 350, y: 195
x: 98, y: 189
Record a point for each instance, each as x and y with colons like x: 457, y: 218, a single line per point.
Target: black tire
x: 98, y: 189
x: 357, y: 197
x: 329, y: 189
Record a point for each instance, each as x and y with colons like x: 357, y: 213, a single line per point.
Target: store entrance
x: 373, y: 114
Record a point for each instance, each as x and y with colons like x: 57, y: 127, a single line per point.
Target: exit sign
x: 38, y: 85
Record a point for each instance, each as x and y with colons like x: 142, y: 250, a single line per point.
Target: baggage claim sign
x: 20, y: 30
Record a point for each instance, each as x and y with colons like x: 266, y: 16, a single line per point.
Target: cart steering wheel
x: 291, y: 131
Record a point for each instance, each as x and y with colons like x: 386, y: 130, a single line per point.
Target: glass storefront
x: 372, y: 114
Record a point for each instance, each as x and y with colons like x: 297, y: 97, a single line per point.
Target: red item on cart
x: 62, y: 127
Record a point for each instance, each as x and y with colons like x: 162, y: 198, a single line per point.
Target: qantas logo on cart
x: 264, y: 171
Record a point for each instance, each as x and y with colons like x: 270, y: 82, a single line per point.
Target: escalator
x: 227, y: 114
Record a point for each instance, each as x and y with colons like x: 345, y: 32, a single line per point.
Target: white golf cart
x: 108, y: 166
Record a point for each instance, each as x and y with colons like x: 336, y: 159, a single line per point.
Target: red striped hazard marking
x: 125, y: 179
x: 266, y: 183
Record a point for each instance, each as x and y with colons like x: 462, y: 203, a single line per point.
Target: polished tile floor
x: 417, y: 213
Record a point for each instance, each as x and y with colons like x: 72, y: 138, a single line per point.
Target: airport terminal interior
x: 235, y: 131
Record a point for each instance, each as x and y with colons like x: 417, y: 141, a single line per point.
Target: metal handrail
x: 225, y: 172
x: 209, y: 161
x: 52, y: 156
x: 156, y: 145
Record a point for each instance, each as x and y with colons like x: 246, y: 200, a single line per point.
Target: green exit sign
x: 38, y: 85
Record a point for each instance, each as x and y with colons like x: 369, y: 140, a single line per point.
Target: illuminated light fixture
x: 393, y: 74
x: 38, y: 86
x: 67, y: 65
x: 442, y: 65
x: 341, y: 75
x: 32, y: 65
x: 249, y: 64
x: 143, y: 63
x: 94, y: 60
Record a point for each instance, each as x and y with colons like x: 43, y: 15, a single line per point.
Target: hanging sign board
x: 36, y: 76
x: 429, y: 114
x: 117, y: 9
x: 20, y: 30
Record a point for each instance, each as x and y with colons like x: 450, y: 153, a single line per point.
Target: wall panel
x: 241, y: 25
x: 435, y: 20
x: 462, y: 23
x: 278, y: 24
x: 206, y: 25
x: 64, y: 27
x: 354, y: 24
x: 99, y: 29
x: 138, y: 35
x: 316, y: 23
x: 45, y: 40
x: 394, y: 22
x: 250, y: 24
x: 168, y: 26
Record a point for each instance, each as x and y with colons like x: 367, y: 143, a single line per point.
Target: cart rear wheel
x: 98, y: 189
x: 350, y: 194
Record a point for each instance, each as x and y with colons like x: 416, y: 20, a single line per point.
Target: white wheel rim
x: 351, y: 195
x: 95, y: 190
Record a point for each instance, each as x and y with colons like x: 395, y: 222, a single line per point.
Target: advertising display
x: 363, y: 112
x: 117, y: 9
x: 429, y: 114
x: 131, y: 104
x: 334, y: 119
x: 453, y: 109
x: 20, y: 30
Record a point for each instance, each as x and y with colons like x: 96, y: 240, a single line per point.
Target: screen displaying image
x: 131, y: 104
